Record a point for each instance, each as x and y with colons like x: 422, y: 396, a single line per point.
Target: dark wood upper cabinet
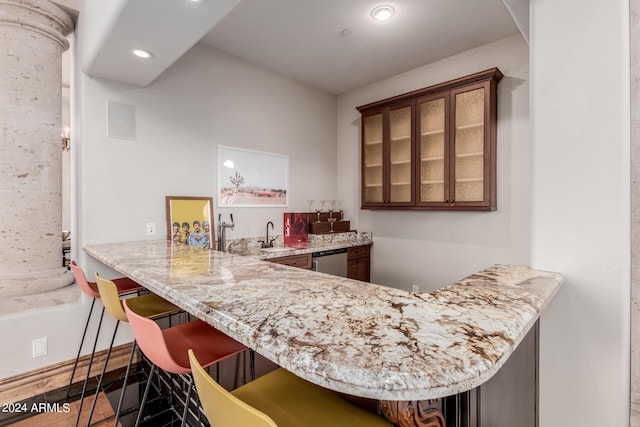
x: 434, y: 148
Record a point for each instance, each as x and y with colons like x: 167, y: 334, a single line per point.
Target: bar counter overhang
x: 353, y: 337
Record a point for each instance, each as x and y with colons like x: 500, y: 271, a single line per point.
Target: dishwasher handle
x: 314, y: 265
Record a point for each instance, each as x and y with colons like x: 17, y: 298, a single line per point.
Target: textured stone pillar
x: 32, y: 39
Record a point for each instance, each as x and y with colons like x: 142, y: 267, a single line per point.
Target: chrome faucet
x: 222, y: 232
x: 266, y: 243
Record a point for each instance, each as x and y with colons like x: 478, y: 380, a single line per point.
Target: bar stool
x: 167, y: 349
x: 124, y: 285
x: 150, y: 306
x: 277, y: 399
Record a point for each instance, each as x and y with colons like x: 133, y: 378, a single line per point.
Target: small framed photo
x: 190, y: 221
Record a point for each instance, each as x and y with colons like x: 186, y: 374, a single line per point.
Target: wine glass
x: 310, y: 204
x: 320, y: 209
x: 331, y: 221
x: 332, y: 208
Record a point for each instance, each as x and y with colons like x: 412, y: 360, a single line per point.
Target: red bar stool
x: 167, y: 349
x: 124, y: 285
x: 277, y: 399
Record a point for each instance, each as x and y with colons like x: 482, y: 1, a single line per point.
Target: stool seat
x: 208, y: 343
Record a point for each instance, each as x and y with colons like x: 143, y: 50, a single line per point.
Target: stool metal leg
x: 84, y: 334
x: 86, y: 379
x: 104, y: 370
x: 186, y: 402
x: 124, y: 382
x: 144, y: 396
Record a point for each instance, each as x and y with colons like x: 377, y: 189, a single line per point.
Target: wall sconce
x: 66, y: 140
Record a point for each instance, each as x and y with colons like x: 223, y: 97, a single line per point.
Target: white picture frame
x: 250, y: 178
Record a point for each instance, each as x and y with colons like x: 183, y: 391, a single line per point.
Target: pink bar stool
x: 168, y: 349
x: 125, y: 286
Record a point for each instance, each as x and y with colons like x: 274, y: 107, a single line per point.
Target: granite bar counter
x: 349, y: 336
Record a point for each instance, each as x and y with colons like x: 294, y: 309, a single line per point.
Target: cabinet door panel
x: 372, y: 159
x: 432, y: 150
x: 469, y: 151
x: 400, y: 155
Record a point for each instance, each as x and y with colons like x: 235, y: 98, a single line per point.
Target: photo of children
x: 189, y: 221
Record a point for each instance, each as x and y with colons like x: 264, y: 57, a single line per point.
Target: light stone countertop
x: 349, y: 336
x: 318, y: 242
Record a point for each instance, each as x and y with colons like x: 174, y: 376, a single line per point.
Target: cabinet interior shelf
x: 373, y: 185
x: 396, y: 184
x: 373, y: 165
x: 406, y: 138
x: 373, y: 142
x: 475, y: 154
x: 438, y: 181
x: 401, y: 162
x: 470, y: 126
x: 469, y: 180
x: 432, y: 158
x: 432, y: 132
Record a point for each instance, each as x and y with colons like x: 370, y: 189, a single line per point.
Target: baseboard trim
x: 52, y: 377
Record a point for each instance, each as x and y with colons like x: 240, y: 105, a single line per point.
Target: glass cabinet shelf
x: 475, y: 154
x: 372, y: 142
x: 432, y: 132
x: 470, y: 126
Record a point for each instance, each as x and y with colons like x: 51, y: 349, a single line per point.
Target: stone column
x: 32, y: 39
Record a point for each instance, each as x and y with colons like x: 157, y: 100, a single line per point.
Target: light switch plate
x: 39, y: 347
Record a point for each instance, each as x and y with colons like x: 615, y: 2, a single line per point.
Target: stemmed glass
x: 332, y: 208
x: 319, y: 209
x: 331, y: 221
x: 310, y: 204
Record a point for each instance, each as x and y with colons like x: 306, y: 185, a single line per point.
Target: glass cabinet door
x: 372, y: 159
x: 400, y: 155
x: 432, y: 161
x: 469, y: 143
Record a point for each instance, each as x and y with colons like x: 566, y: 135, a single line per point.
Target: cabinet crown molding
x: 490, y: 74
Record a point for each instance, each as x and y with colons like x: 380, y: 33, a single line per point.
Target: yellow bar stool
x: 277, y: 399
x: 125, y: 286
x: 150, y: 306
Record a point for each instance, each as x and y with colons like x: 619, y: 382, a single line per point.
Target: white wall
x: 433, y: 249
x: 205, y: 99
x: 580, y: 207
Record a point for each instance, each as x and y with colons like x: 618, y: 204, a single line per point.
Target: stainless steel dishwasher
x: 333, y: 261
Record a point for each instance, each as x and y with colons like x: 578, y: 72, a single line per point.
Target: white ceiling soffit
x: 165, y: 28
x: 519, y: 9
x: 336, y: 46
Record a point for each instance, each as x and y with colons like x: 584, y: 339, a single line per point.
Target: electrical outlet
x: 39, y: 347
x: 151, y: 229
x: 415, y: 288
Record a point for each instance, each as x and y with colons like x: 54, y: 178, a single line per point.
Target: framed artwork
x: 190, y: 221
x: 248, y: 178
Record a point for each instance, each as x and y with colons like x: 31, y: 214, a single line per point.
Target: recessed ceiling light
x: 382, y: 13
x: 141, y: 53
x: 194, y: 1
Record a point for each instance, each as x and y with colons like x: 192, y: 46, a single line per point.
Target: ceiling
x: 332, y: 45
x: 336, y: 46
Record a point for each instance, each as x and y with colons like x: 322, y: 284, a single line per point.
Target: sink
x: 276, y: 249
